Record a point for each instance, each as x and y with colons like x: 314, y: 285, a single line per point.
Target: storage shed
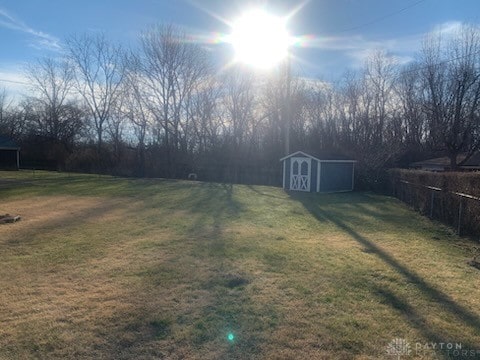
x: 304, y: 172
x: 9, y: 154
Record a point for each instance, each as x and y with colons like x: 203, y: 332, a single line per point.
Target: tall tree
x: 172, y: 67
x: 135, y: 107
x: 57, y: 117
x: 204, y: 114
x: 451, y: 78
x: 238, y: 100
x: 322, y: 117
x: 408, y: 89
x: 98, y: 73
x: 379, y: 77
x: 6, y: 120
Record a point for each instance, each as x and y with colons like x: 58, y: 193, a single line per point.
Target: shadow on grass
x: 213, y: 207
x: 219, y: 289
x: 26, y: 234
x: 231, y: 310
x: 322, y: 207
x: 256, y: 190
x: 87, y: 185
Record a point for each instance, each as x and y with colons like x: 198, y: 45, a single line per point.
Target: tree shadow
x: 418, y: 321
x: 255, y: 189
x: 70, y: 218
x: 212, y: 203
x: 231, y: 308
x: 317, y: 206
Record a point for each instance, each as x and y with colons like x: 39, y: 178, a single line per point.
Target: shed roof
x: 7, y: 143
x: 324, y: 157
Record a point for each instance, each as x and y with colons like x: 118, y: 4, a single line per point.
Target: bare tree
x: 451, y: 79
x: 99, y: 71
x: 57, y: 117
x: 116, y: 128
x: 279, y: 110
x: 322, y: 120
x: 271, y: 103
x: 5, y: 113
x: 379, y: 77
x: 408, y: 89
x: 204, y: 115
x: 348, y: 94
x: 5, y: 104
x: 172, y: 68
x: 12, y: 119
x: 238, y: 101
x: 135, y: 107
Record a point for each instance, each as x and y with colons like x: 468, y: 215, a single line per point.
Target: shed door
x: 300, y: 169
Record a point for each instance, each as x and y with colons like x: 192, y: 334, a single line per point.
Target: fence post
x: 432, y: 198
x: 403, y: 192
x: 460, y: 210
x: 414, y: 197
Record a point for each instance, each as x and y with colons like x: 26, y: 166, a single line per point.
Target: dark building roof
x: 444, y: 162
x: 7, y: 143
x: 473, y: 161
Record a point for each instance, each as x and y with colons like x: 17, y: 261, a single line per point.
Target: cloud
x: 359, y: 47
x: 13, y: 81
x: 41, y: 40
x: 449, y: 28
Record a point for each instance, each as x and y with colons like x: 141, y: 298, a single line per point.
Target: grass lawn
x: 109, y: 268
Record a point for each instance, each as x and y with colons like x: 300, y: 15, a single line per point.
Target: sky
x: 338, y: 34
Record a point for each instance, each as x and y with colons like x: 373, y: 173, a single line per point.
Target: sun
x: 260, y: 39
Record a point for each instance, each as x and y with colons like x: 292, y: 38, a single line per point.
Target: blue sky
x: 341, y: 32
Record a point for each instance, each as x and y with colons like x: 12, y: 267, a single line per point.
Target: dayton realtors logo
x: 398, y: 347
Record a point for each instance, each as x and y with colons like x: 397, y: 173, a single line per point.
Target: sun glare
x: 260, y: 39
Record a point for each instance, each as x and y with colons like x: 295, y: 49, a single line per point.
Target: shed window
x: 304, y: 168
x: 295, y: 168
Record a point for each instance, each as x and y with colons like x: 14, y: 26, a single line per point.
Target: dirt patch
x: 234, y: 280
x: 8, y: 219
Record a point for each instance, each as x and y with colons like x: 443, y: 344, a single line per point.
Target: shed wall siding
x: 336, y: 176
x: 287, y: 174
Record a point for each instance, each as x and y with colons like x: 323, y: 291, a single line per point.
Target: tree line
x: 163, y: 109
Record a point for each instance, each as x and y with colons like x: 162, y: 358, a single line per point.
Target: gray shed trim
x: 298, y: 153
x: 319, y: 171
